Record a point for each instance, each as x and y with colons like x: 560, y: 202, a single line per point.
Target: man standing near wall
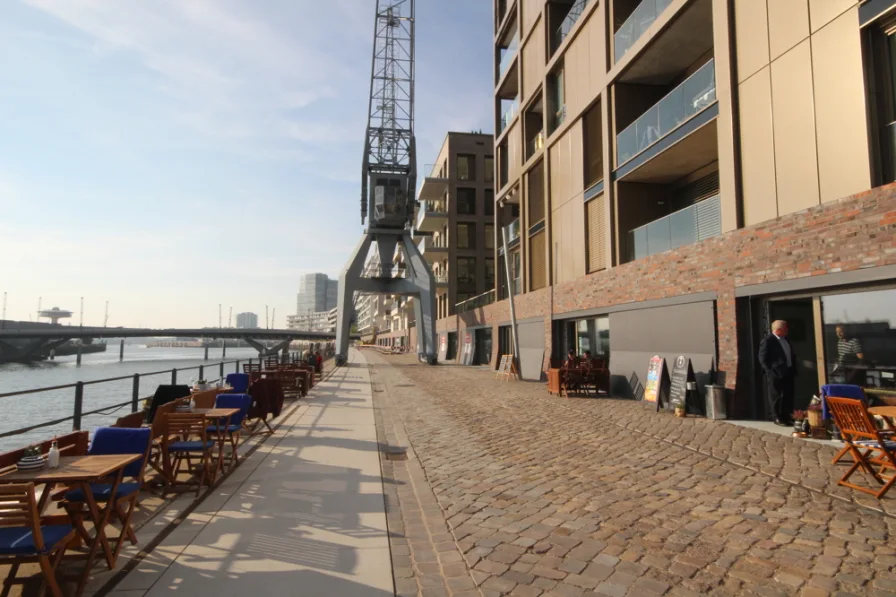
x: 779, y: 363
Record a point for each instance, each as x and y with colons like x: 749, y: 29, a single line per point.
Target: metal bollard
x: 79, y: 406
x: 135, y: 394
x: 174, y: 377
x: 221, y: 372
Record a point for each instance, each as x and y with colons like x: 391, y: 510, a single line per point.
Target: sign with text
x: 468, y: 349
x: 655, y: 374
x: 682, y: 373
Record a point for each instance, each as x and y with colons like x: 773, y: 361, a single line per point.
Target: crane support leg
x: 425, y: 305
x: 348, y: 280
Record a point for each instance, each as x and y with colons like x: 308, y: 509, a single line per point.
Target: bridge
x: 32, y: 340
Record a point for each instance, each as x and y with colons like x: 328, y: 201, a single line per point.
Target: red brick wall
x: 849, y: 234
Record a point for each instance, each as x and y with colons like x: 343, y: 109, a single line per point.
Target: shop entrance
x: 800, y: 317
x: 452, y: 346
x: 483, y: 353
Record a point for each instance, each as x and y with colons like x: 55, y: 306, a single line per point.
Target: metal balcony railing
x: 684, y: 227
x: 695, y: 94
x: 507, y: 56
x: 635, y: 26
x: 569, y: 22
x: 429, y: 243
x: 508, y: 115
x: 486, y: 298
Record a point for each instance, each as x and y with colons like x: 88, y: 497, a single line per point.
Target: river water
x: 22, y: 411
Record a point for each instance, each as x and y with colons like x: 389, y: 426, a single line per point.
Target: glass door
x: 800, y: 317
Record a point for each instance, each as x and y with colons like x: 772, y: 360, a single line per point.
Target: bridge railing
x: 81, y: 407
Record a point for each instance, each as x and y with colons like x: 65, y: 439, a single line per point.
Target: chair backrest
x: 20, y: 510
x: 238, y: 381
x: 114, y: 440
x: 842, y: 390
x: 131, y: 421
x: 240, y: 401
x: 185, y: 425
x: 70, y: 444
x: 165, y: 394
x: 161, y: 419
x: 852, y: 418
x: 205, y: 399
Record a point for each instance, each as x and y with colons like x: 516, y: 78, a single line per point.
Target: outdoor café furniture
x: 232, y: 426
x: 239, y: 382
x: 114, y: 441
x: 186, y: 438
x: 206, y: 398
x: 70, y: 444
x: 157, y: 429
x: 872, y: 450
x: 267, y: 400
x: 251, y: 367
x: 165, y: 394
x: 840, y: 391
x: 131, y: 421
x: 24, y: 539
x: 887, y: 413
x: 80, y: 472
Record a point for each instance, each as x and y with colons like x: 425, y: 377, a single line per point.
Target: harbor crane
x: 389, y: 184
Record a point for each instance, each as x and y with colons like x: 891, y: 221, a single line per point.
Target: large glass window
x: 860, y: 338
x: 592, y: 335
x: 489, y: 168
x: 466, y: 236
x: 490, y: 273
x: 466, y: 167
x: 489, y: 236
x: 466, y: 271
x: 489, y: 202
x: 466, y: 202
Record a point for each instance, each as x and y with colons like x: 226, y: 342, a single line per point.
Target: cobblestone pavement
x: 545, y: 496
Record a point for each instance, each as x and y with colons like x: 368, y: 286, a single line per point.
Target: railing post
x: 79, y: 406
x: 221, y: 371
x: 201, y: 373
x: 135, y: 394
x: 174, y: 377
x: 237, y: 368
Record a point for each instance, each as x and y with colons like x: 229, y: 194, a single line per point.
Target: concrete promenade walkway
x: 303, y: 515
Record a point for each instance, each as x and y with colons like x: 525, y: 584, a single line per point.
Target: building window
x: 489, y: 202
x: 516, y: 272
x: 466, y: 236
x: 860, y: 339
x: 489, y: 168
x: 536, y: 194
x: 466, y: 167
x: 489, y: 236
x: 592, y: 335
x: 594, y: 151
x: 466, y: 202
x: 880, y: 74
x: 556, y: 100
x: 466, y: 271
x: 537, y: 258
x: 489, y: 272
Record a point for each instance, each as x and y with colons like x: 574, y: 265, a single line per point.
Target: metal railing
x: 507, y: 56
x: 429, y: 243
x: 637, y: 24
x: 134, y: 401
x: 684, y: 227
x: 508, y: 114
x: 486, y: 298
x: 695, y: 94
x: 575, y: 11
x: 431, y: 208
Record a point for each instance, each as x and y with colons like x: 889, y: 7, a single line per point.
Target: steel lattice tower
x: 389, y: 182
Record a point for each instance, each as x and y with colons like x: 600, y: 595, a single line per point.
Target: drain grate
x: 396, y: 453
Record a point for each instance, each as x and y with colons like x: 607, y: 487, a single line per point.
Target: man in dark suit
x: 778, y: 360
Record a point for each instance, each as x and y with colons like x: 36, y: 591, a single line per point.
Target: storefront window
x: 592, y: 335
x: 860, y: 338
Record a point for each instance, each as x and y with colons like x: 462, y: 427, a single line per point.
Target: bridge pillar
x: 121, y: 351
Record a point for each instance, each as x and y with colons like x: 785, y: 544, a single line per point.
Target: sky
x: 176, y: 155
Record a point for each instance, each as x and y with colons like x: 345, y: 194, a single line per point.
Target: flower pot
x: 815, y: 419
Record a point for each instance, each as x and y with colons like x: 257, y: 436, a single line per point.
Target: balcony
x: 684, y: 227
x: 441, y: 278
x: 637, y: 24
x: 694, y: 95
x: 510, y: 109
x: 575, y: 12
x: 433, y: 250
x: 486, y: 298
x: 432, y: 215
x: 512, y: 231
x: 435, y: 183
x: 534, y: 144
x: 507, y: 56
x: 558, y: 118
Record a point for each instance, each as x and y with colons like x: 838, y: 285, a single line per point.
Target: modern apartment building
x: 317, y: 293
x: 676, y: 174
x: 247, y: 321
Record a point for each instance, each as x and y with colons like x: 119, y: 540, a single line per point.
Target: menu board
x: 468, y: 349
x: 503, y: 366
x: 655, y: 374
x: 682, y: 373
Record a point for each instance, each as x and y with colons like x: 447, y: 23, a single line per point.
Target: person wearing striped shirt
x: 849, y: 356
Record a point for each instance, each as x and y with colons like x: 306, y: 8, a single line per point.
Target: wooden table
x: 80, y: 472
x: 887, y: 412
x: 214, y: 414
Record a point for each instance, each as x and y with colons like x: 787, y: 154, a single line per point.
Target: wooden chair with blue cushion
x: 234, y: 426
x: 238, y: 381
x: 186, y: 438
x: 840, y: 390
x: 872, y: 450
x: 23, y: 539
x: 109, y: 441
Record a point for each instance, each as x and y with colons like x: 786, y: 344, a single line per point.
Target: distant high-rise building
x: 247, y: 321
x: 317, y: 293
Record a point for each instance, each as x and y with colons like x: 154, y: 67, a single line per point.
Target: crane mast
x: 388, y: 184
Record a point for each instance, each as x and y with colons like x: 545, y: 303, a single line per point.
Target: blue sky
x: 172, y: 155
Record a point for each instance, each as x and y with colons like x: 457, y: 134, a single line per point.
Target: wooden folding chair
x: 156, y: 461
x: 131, y: 421
x: 186, y: 437
x: 868, y: 446
x: 23, y: 539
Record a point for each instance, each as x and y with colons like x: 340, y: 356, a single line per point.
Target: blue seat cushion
x: 870, y: 443
x: 195, y: 446
x: 228, y: 429
x: 101, y: 492
x: 20, y: 540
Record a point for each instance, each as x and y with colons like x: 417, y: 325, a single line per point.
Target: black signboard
x: 682, y: 373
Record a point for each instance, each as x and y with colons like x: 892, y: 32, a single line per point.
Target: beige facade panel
x: 751, y: 30
x: 722, y: 13
x: 822, y: 12
x: 843, y: 160
x: 793, y: 107
x: 533, y: 63
x: 788, y: 24
x: 582, y: 62
x: 568, y: 238
x: 531, y: 11
x: 566, y: 166
x: 757, y: 145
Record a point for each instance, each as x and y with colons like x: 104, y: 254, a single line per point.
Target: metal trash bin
x: 716, y: 402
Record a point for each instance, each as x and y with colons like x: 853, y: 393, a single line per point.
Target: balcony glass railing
x: 696, y: 93
x: 559, y: 118
x: 512, y: 231
x: 430, y: 207
x: 684, y: 227
x: 534, y: 144
x: 429, y: 243
x: 507, y: 55
x: 566, y: 26
x: 433, y: 171
x: 441, y: 277
x: 510, y: 111
x: 486, y: 298
x: 635, y: 26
